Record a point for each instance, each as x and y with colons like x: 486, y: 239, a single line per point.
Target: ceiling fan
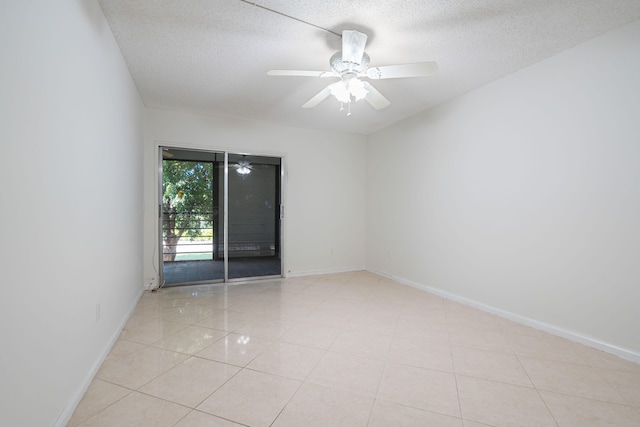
x: 351, y: 65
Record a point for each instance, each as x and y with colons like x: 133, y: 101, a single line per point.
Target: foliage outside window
x: 187, y: 203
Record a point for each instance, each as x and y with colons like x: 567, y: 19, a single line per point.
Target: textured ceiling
x: 211, y: 56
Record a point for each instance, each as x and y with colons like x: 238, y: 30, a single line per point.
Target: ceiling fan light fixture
x: 357, y: 89
x: 340, y: 90
x: 344, y: 90
x: 242, y: 167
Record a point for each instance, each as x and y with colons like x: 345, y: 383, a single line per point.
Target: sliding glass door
x: 254, y: 216
x: 197, y: 189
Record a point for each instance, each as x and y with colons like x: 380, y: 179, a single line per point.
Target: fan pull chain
x: 348, y: 107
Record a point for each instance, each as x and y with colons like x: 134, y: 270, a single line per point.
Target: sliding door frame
x: 280, y: 191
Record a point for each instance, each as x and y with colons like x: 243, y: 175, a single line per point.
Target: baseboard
x: 320, y: 272
x: 554, y: 330
x: 73, y: 403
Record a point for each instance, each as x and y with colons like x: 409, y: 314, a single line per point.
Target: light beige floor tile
x: 377, y: 338
x: 382, y: 302
x: 480, y: 339
x: 600, y: 359
x: 299, y: 282
x: 500, y: 404
x: 468, y: 423
x: 348, y: 372
x: 471, y: 318
x: 190, y: 382
x: 314, y: 405
x: 373, y: 322
x: 414, y: 304
x: 235, y: 349
x: 190, y: 340
x: 148, y: 309
x: 417, y: 311
x: 328, y: 317
x: 296, y: 299
x: 544, y: 346
x: 135, y: 320
x: 138, y: 410
x: 248, y: 306
x: 123, y: 349
x: 218, y: 302
x: 331, y: 281
x: 420, y: 388
x: 421, y: 329
x: 364, y: 278
x: 421, y: 353
x: 362, y: 344
x: 287, y: 360
x: 423, y: 300
x: 311, y: 335
x: 571, y: 411
x: 358, y: 291
x: 189, y: 314
x: 387, y: 414
x: 224, y: 320
x: 152, y: 331
x: 200, y: 419
x: 252, y: 398
x: 100, y: 395
x: 510, y: 327
x: 569, y: 378
x: 286, y: 312
x: 490, y: 365
x: 267, y: 329
x: 625, y: 383
x: 340, y: 304
x: 140, y: 367
x: 315, y: 291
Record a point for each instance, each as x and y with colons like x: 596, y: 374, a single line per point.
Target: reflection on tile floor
x: 351, y: 349
x: 199, y: 271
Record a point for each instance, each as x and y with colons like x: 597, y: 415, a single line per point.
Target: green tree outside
x: 187, y: 202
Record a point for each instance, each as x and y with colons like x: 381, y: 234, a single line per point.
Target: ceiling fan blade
x: 375, y: 98
x: 321, y: 96
x: 421, y: 69
x: 353, y: 43
x: 301, y: 73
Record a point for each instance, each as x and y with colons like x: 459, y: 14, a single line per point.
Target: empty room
x: 339, y: 213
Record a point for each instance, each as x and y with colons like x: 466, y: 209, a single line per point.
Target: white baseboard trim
x: 320, y: 272
x: 554, y: 330
x: 73, y: 403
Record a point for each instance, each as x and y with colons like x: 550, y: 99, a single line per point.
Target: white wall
x: 71, y: 210
x: 524, y: 195
x: 324, y: 188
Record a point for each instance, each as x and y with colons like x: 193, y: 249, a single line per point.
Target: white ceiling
x: 211, y: 56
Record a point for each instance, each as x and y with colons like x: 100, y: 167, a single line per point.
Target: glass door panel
x: 189, y: 216
x: 254, y: 216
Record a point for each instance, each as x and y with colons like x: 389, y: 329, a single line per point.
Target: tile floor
x: 346, y: 350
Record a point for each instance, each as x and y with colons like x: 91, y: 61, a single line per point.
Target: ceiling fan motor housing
x: 348, y: 69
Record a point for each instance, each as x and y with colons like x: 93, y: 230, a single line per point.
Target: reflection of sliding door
x: 192, y: 216
x: 254, y: 216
